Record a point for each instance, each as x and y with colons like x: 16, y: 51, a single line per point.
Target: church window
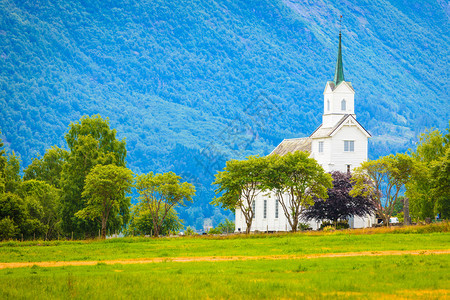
x: 343, y: 105
x: 254, y: 209
x: 349, y: 146
x: 265, y: 209
x: 320, y: 147
x: 328, y: 105
x: 276, y: 208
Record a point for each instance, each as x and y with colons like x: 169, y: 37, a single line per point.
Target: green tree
x: 105, y: 190
x: 3, y: 161
x: 296, y: 181
x: 141, y: 221
x: 226, y: 226
x: 382, y: 180
x: 47, y: 168
x: 160, y: 193
x: 8, y: 230
x: 239, y: 184
x: 12, y: 173
x: 16, y: 209
x: 91, y: 142
x: 43, y: 201
x: 440, y: 170
x: 426, y: 188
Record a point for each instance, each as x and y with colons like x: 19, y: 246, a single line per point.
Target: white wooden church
x: 338, y: 144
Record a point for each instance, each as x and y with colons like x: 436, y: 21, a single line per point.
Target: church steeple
x: 339, y: 73
x: 339, y: 96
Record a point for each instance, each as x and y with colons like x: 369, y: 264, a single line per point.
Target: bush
x: 215, y: 231
x: 7, y: 229
x: 189, y: 231
x: 343, y: 224
x: 328, y: 228
x: 304, y: 227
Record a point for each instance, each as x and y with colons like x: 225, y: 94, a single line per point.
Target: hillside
x: 191, y: 84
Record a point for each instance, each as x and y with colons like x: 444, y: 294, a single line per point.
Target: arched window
x: 343, y: 105
x: 328, y: 105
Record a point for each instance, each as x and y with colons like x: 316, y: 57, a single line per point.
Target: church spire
x: 339, y: 73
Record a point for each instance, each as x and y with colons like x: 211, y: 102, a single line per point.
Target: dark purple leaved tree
x: 340, y: 205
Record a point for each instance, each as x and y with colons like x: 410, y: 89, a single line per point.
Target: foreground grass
x: 346, y: 278
x: 257, y: 245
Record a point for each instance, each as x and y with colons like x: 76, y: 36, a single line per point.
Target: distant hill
x: 191, y: 84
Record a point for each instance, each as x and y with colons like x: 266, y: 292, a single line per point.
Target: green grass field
x: 404, y: 276
x: 361, y: 277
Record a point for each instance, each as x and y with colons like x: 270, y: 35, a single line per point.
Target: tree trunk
x: 104, y: 228
x: 294, y: 225
x: 249, y: 226
x: 406, y: 217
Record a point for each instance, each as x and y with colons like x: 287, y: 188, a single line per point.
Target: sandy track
x: 218, y: 258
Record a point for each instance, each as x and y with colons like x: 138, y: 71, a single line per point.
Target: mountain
x: 193, y: 83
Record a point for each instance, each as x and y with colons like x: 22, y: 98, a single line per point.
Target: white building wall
x: 323, y: 158
x: 340, y: 158
x: 270, y: 223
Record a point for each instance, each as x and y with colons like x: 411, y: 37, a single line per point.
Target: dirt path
x: 218, y: 258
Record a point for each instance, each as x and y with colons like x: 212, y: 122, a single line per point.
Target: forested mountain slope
x: 191, y: 84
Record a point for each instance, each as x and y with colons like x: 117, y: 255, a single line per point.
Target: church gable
x: 349, y: 120
x: 344, y: 87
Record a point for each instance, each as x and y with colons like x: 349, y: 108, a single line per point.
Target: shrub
x: 304, y: 227
x: 343, y: 224
x: 189, y: 231
x: 7, y: 229
x: 328, y: 228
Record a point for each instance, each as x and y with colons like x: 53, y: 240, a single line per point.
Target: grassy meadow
x: 374, y: 277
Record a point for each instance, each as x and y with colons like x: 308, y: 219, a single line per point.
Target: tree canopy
x: 428, y: 186
x: 296, y: 181
x: 91, y: 142
x: 47, y: 168
x: 340, y: 204
x: 160, y: 193
x: 105, y: 190
x: 141, y: 221
x: 382, y: 180
x: 239, y: 184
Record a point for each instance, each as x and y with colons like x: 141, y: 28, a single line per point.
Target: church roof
x: 292, y: 145
x: 304, y: 144
x: 322, y: 132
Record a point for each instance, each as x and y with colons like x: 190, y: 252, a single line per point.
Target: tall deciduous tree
x: 239, y: 185
x: 382, y: 180
x: 91, y: 142
x: 427, y: 195
x: 160, y: 193
x: 340, y: 204
x: 105, y: 189
x: 440, y: 170
x: 296, y: 181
